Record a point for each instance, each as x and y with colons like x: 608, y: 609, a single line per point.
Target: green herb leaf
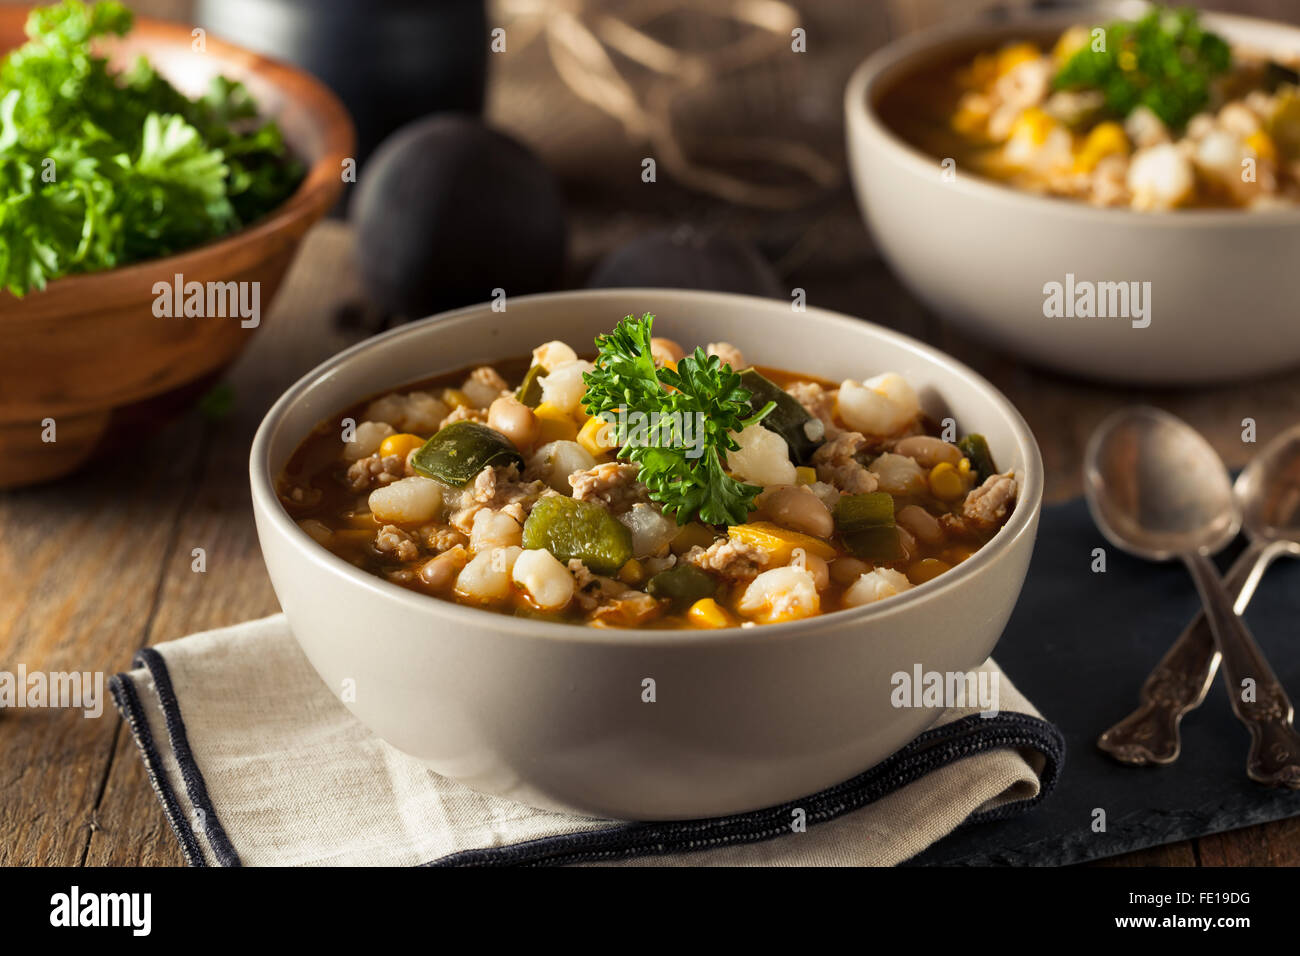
x: 698, y: 405
x: 99, y: 168
x: 1165, y: 61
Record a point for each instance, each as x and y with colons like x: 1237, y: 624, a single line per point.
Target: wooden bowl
x: 89, y: 348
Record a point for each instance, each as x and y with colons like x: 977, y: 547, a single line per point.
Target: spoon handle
x: 1257, y: 696
x: 1178, y: 684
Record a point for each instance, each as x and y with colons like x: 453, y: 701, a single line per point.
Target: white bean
x: 781, y: 594
x: 408, y: 500
x: 551, y: 355
x: 876, y: 586
x: 494, y: 529
x: 879, y: 406
x: 763, y: 457
x: 366, y: 440
x: 486, y: 578
x: 546, y: 581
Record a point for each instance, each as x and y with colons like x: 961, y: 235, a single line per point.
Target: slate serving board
x: 1079, y: 645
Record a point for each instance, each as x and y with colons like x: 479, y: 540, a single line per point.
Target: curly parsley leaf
x: 99, y: 168
x: 1165, y: 61
x: 694, y: 409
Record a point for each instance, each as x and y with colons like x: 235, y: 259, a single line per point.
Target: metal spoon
x: 1268, y: 493
x: 1158, y: 490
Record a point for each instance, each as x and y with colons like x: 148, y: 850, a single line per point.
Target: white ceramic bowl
x: 1224, y: 283
x: 552, y: 714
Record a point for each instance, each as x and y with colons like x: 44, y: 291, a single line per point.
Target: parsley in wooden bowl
x: 154, y: 186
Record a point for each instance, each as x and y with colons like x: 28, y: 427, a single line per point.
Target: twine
x: 579, y: 37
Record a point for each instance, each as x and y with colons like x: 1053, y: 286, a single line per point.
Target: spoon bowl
x: 1268, y: 492
x: 1156, y: 488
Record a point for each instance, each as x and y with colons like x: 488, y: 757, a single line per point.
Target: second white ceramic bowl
x: 1224, y: 283
x: 553, y: 715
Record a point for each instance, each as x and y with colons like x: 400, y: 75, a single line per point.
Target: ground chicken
x: 490, y: 378
x: 610, y: 603
x: 613, y: 483
x: 733, y: 560
x: 298, y: 500
x: 464, y: 413
x: 375, y: 471
x: 837, y: 464
x: 441, y: 538
x: 501, y: 489
x: 819, y: 402
x: 400, y: 544
x: 728, y: 354
x: 988, y: 505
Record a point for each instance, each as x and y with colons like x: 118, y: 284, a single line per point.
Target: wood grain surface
x: 99, y: 564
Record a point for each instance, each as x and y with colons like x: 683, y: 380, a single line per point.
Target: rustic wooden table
x: 98, y: 565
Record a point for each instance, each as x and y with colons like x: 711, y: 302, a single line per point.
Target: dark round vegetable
x: 448, y: 210
x: 687, y: 259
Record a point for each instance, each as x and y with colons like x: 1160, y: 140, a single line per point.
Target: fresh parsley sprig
x: 1165, y: 61
x: 698, y: 406
x: 100, y: 168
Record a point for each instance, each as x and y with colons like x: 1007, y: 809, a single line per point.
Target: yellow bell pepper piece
x: 597, y: 437
x: 556, y: 424
x: 691, y: 535
x: 780, y: 542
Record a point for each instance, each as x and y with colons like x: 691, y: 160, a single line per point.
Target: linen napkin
x: 256, y: 762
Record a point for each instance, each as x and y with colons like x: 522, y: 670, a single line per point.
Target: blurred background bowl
x: 88, y: 351
x: 1223, y: 282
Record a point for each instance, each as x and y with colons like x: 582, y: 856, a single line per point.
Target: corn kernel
x: 1010, y: 57
x: 1106, y: 139
x: 780, y: 542
x: 972, y: 114
x: 945, y: 482
x: 456, y: 398
x: 1071, y: 42
x: 632, y: 572
x: 1262, y: 145
x: 706, y: 612
x: 957, y: 554
x: 927, y: 569
x: 805, y: 475
x: 555, y: 424
x: 400, y: 444
x: 597, y: 437
x: 963, y: 468
x: 983, y: 71
x: 1034, y: 124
